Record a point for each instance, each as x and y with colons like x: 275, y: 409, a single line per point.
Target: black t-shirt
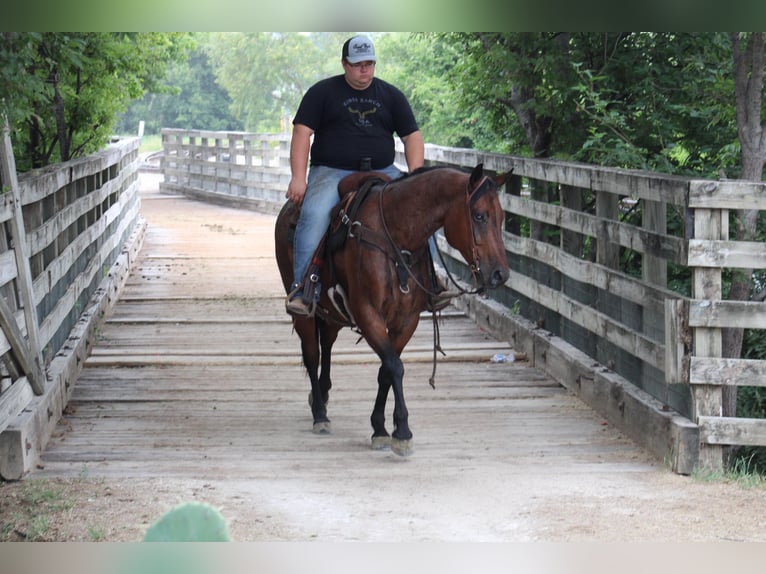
x: 353, y: 124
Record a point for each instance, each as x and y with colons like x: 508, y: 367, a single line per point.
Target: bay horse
x: 382, y: 270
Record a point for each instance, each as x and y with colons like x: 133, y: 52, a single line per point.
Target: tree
x: 748, y: 61
x: 63, y: 92
x: 519, y: 82
x: 420, y: 65
x: 267, y: 73
x: 658, y: 101
x: 18, y: 90
x: 672, y: 102
x: 189, y: 98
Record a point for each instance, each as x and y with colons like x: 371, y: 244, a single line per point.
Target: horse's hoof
x: 402, y: 447
x: 381, y: 442
x: 322, y: 428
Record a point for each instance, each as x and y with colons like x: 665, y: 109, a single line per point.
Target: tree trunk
x: 748, y: 89
x: 58, y: 112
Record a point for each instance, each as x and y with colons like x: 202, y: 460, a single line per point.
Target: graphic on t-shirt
x: 362, y: 116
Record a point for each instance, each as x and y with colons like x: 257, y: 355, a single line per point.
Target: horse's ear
x: 501, y: 178
x: 476, y: 175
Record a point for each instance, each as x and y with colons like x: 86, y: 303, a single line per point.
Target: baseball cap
x: 358, y: 49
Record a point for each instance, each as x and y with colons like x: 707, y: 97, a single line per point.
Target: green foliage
x: 97, y: 533
x: 517, y: 83
x: 267, y: 73
x: 18, y: 90
x: 63, y: 92
x: 659, y: 101
x: 190, y: 98
x: 421, y: 65
x: 746, y: 470
x: 751, y: 401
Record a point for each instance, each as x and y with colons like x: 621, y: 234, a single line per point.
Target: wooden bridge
x: 193, y: 390
x: 165, y: 344
x: 196, y: 373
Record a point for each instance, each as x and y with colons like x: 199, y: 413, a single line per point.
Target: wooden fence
x: 588, y: 298
x: 231, y: 167
x: 68, y: 235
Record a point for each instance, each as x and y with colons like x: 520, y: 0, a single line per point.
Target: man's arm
x: 300, y: 145
x: 414, y: 150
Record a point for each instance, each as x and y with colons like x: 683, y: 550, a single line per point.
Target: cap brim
x: 356, y: 60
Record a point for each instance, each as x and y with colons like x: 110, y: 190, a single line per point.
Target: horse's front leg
x: 391, y: 375
x: 381, y: 440
x: 401, y: 439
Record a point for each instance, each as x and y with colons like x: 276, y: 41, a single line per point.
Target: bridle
x: 485, y: 185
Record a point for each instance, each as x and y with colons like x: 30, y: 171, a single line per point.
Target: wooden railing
x: 697, y: 359
x: 232, y: 167
x: 69, y: 232
x: 588, y: 298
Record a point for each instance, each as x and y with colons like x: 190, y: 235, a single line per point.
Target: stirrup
x: 297, y: 305
x: 341, y: 307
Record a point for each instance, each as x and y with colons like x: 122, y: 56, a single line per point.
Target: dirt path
x: 519, y: 460
x: 651, y: 505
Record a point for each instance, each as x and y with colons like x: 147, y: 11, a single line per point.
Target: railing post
x: 706, y: 284
x: 20, y: 248
x: 654, y: 269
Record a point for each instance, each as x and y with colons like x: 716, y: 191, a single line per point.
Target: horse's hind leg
x: 327, y: 337
x: 318, y: 406
x: 321, y: 384
x: 310, y: 352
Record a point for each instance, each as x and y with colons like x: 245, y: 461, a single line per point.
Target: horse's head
x: 475, y: 229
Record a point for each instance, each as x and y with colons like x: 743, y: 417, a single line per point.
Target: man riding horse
x: 352, y: 118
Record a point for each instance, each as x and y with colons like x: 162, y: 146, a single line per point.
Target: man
x: 353, y: 118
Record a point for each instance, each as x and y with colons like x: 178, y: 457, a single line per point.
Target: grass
x: 97, y: 533
x: 743, y: 473
x: 30, y: 511
x: 150, y: 143
x: 38, y: 501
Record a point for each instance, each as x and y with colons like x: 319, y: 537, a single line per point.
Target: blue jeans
x: 321, y: 196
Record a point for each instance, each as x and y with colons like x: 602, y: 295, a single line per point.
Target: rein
x: 398, y: 253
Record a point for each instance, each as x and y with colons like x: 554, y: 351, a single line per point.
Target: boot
x: 442, y: 298
x: 295, y: 305
x: 298, y: 307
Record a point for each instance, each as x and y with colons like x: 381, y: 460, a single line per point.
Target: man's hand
x: 296, y: 190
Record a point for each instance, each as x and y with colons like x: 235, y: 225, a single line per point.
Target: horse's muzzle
x: 498, y: 277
